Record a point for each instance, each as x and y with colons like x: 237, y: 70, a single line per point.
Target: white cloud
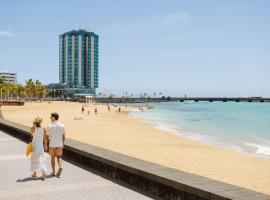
x: 165, y: 22
x: 180, y: 18
x: 6, y: 33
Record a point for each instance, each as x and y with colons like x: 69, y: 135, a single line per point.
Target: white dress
x: 38, y: 159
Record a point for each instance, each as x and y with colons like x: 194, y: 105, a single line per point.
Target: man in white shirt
x: 56, y: 132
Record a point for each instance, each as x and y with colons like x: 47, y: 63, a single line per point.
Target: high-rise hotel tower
x: 78, y: 61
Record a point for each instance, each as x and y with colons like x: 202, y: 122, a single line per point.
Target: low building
x: 9, y: 77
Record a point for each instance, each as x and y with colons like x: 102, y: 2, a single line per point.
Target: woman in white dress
x: 38, y: 159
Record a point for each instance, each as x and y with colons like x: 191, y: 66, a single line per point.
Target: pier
x: 178, y: 99
x: 222, y: 99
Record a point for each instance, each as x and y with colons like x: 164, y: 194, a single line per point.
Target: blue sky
x: 198, y: 48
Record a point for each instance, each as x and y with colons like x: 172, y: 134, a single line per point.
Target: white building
x: 9, y: 77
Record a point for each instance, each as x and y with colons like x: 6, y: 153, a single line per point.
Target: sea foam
x: 257, y: 149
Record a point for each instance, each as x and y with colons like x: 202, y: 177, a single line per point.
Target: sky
x: 176, y: 47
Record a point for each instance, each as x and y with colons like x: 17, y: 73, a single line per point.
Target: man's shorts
x: 56, y: 151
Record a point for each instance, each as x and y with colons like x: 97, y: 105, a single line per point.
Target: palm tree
x: 8, y: 90
x: 20, y: 91
x: 17, y: 91
x: 1, y: 86
x: 30, y: 88
x: 144, y: 94
x: 12, y: 90
x: 40, y: 90
x: 160, y: 93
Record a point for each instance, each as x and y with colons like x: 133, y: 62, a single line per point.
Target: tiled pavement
x: 74, y: 184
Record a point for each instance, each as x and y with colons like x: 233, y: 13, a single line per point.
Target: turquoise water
x: 241, y: 126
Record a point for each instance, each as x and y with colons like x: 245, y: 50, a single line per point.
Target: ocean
x: 240, y: 126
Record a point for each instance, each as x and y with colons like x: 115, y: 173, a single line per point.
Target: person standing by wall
x: 56, y: 132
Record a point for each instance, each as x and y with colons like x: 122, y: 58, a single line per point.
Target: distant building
x: 9, y: 77
x: 78, y: 62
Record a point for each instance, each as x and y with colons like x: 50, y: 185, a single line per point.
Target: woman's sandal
x: 43, y: 176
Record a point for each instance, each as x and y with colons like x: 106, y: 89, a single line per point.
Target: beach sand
x: 122, y: 133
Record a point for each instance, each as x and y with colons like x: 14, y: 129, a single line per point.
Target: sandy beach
x: 127, y: 135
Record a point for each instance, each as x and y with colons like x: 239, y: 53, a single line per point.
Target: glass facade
x: 78, y: 60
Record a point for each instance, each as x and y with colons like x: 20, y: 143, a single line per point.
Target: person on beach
x: 38, y: 159
x: 119, y: 109
x: 82, y: 110
x: 56, y: 132
x: 95, y: 110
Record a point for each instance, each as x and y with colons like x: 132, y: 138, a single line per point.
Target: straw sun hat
x: 37, y: 120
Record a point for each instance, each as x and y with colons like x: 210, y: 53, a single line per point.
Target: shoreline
x: 132, y: 136
x: 252, y: 143
x: 249, y: 149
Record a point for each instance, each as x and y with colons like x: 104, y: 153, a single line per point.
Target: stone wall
x: 11, y: 103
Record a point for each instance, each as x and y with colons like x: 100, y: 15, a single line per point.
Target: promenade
x: 75, y: 183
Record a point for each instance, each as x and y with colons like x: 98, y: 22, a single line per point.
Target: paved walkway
x: 75, y: 183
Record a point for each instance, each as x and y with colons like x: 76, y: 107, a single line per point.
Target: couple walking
x: 56, y: 133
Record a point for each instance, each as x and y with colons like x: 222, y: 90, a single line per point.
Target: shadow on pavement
x: 32, y: 179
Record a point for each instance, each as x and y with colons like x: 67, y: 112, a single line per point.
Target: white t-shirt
x: 56, y: 130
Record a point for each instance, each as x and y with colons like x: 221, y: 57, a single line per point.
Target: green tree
x: 1, y: 86
x: 40, y: 90
x: 30, y: 88
x: 20, y: 91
